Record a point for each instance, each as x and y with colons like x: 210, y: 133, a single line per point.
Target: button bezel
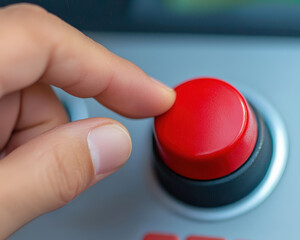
x: 277, y: 165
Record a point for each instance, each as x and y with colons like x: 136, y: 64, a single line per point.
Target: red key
x: 204, y: 238
x: 159, y: 236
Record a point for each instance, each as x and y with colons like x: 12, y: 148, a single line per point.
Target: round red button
x: 208, y: 133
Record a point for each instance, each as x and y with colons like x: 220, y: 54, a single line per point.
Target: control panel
x: 221, y: 164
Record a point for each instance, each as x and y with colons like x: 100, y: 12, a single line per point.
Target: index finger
x: 37, y: 46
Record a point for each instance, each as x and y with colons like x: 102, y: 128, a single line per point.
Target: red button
x: 157, y: 236
x: 203, y: 238
x: 208, y: 133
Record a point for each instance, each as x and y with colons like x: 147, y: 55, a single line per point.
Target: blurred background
x: 247, y: 17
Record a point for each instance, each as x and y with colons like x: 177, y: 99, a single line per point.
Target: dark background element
x: 154, y: 16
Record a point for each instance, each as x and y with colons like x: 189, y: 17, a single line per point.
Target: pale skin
x: 46, y: 161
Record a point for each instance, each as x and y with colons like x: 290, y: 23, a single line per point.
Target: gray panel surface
x: 123, y: 206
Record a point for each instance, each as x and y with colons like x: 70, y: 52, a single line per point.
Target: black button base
x: 225, y: 190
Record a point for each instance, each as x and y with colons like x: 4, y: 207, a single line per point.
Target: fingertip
x: 162, y: 85
x: 170, y: 99
x: 168, y: 95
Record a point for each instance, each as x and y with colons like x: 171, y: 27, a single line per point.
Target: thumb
x: 52, y: 169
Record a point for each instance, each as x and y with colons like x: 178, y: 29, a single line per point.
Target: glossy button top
x: 209, y: 132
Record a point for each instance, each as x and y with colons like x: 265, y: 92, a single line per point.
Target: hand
x: 46, y: 162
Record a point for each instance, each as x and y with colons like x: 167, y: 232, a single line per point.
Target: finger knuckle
x: 24, y: 21
x: 27, y: 10
x: 27, y: 18
x: 68, y: 176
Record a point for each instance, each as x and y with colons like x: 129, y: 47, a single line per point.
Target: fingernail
x: 162, y: 85
x: 110, y: 147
